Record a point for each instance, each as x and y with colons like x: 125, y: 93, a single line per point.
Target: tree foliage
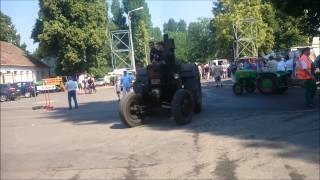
x: 307, y: 11
x: 117, y: 12
x: 199, y: 39
x: 173, y: 26
x: 141, y: 45
x: 233, y: 11
x: 182, y: 26
x: 141, y: 28
x: 181, y: 46
x: 275, y: 29
x: 75, y: 33
x: 8, y: 32
x: 156, y: 34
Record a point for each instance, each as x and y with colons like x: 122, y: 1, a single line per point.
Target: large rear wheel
x: 266, y: 84
x: 130, y: 110
x: 182, y: 106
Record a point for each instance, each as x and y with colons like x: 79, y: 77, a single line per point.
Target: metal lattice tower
x: 120, y: 49
x: 245, y: 33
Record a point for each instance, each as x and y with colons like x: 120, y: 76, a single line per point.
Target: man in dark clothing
x: 154, y: 53
x: 166, y: 56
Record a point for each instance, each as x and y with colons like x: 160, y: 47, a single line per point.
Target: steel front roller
x: 182, y: 106
x: 130, y: 110
x: 237, y: 89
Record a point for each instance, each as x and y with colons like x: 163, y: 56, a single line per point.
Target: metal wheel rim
x: 132, y: 107
x: 267, y: 85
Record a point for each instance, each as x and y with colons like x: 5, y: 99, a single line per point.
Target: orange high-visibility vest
x: 301, y: 73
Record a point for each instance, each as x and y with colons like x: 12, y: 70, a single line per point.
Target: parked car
x: 100, y: 82
x: 9, y: 92
x: 27, y: 89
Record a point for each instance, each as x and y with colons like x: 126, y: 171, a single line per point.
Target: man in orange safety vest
x: 304, y: 72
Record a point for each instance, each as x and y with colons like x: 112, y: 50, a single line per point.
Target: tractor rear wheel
x: 129, y: 110
x: 266, y: 84
x: 182, y: 106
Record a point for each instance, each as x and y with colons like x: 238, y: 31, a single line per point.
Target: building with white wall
x: 15, y: 66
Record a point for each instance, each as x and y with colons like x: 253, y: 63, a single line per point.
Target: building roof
x: 11, y: 55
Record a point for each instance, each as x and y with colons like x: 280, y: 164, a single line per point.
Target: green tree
x: 171, y: 26
x: 141, y: 44
x: 8, y: 32
x: 118, y: 19
x: 227, y: 12
x: 156, y: 34
x: 307, y: 11
x: 137, y: 16
x: 181, y: 46
x: 182, y: 26
x: 141, y: 27
x: 289, y: 34
x: 198, y: 40
x: 75, y: 33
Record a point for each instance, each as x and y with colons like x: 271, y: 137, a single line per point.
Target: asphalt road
x: 246, y: 137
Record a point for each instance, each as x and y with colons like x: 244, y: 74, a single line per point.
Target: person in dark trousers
x: 154, y: 53
x: 71, y: 87
x: 305, y: 73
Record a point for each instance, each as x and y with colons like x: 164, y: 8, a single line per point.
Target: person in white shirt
x: 118, y: 86
x: 289, y: 64
x: 281, y: 66
x: 71, y: 87
x: 217, y: 73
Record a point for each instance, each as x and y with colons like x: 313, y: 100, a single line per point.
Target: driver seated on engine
x: 154, y: 53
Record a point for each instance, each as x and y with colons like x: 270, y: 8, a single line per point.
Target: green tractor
x: 265, y: 82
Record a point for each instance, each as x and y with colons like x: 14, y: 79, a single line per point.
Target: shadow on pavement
x: 279, y: 122
x: 98, y: 112
x: 275, y: 121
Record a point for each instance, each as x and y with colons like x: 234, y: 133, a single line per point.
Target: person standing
x: 272, y: 65
x: 304, y: 72
x: 154, y: 53
x: 281, y: 66
x: 118, y: 86
x: 126, y: 81
x: 71, y: 87
x: 217, y: 72
x: 289, y: 63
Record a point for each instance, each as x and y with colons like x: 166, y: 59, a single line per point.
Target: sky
x: 24, y: 13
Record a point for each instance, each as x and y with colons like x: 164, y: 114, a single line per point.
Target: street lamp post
x: 133, y: 62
